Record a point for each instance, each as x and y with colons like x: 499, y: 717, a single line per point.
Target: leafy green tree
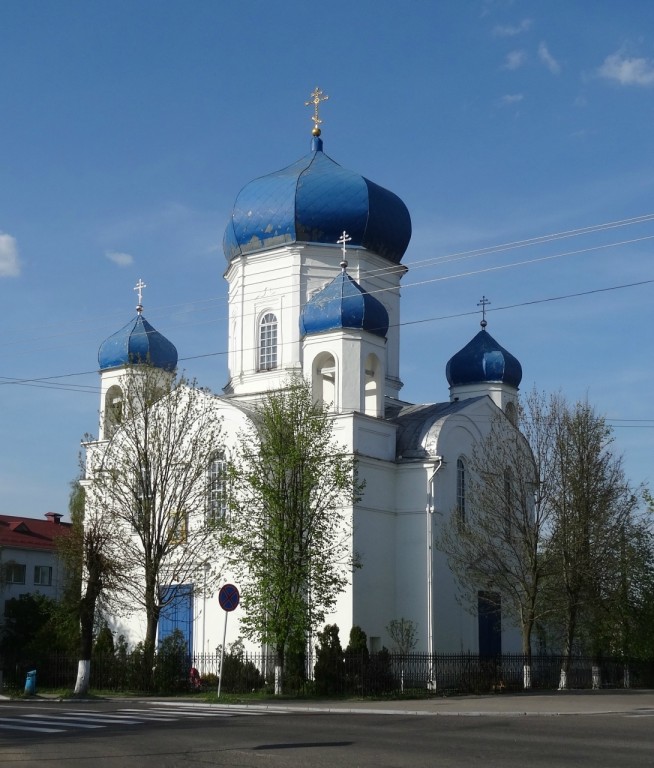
x: 329, y: 670
x: 239, y: 674
x: 358, y: 642
x: 104, y: 641
x: 31, y: 631
x: 288, y: 533
x: 593, y: 505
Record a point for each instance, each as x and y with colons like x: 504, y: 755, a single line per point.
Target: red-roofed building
x: 28, y: 555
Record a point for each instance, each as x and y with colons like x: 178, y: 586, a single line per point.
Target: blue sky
x: 128, y: 128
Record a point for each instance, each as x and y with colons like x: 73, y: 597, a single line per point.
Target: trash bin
x: 30, y: 683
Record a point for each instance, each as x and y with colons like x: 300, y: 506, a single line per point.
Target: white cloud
x: 9, y: 264
x: 512, y: 98
x: 548, y: 60
x: 514, y: 60
x: 627, y: 71
x: 121, y: 259
x: 509, y: 30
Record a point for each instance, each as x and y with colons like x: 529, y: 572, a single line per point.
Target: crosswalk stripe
x: 100, y: 717
x: 84, y: 719
x: 7, y: 725
x: 209, y: 711
x: 145, y: 714
x: 59, y: 720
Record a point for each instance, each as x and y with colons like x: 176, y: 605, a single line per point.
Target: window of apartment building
x: 15, y: 573
x: 43, y: 575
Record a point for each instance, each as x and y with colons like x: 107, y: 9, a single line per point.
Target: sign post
x: 228, y: 597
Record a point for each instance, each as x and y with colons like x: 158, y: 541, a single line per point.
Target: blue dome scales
x: 344, y: 304
x: 313, y: 201
x: 137, y: 343
x: 483, y: 360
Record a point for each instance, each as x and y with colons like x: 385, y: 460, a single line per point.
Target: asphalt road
x: 149, y: 734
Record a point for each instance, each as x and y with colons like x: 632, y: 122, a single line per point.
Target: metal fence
x: 378, y: 674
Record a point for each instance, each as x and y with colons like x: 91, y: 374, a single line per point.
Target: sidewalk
x: 544, y: 704
x: 541, y: 703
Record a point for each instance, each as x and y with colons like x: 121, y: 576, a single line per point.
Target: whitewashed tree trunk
x: 597, y: 679
x: 83, y: 677
x: 278, y: 679
x: 626, y: 680
x: 563, y: 681
x: 526, y: 677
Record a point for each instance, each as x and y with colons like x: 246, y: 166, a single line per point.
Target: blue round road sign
x: 228, y: 597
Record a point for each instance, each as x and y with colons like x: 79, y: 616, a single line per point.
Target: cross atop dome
x: 139, y: 287
x: 483, y: 304
x: 316, y: 97
x: 342, y: 240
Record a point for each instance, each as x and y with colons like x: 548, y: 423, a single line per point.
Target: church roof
x: 344, y: 304
x: 483, y: 360
x: 413, y: 421
x: 313, y: 201
x: 137, y: 343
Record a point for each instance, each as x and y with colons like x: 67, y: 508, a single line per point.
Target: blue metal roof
x: 138, y: 342
x: 314, y: 201
x: 344, y: 304
x: 483, y: 360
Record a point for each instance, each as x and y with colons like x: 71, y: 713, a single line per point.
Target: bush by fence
x: 376, y: 674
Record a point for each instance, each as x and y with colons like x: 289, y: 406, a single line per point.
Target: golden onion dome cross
x: 316, y: 97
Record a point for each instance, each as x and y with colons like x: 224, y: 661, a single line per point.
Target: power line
x: 45, y: 381
x: 433, y: 261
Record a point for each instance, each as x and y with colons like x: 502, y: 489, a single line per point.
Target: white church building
x: 314, y: 266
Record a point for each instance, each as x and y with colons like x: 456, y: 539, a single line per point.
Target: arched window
x: 373, y: 386
x: 509, y: 501
x: 217, y: 487
x: 324, y: 379
x: 511, y: 413
x: 268, y: 342
x: 461, y: 491
x: 113, y: 410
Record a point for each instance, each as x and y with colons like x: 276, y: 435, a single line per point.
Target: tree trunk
x: 279, y: 669
x: 86, y: 619
x: 152, y: 611
x: 83, y: 677
x: 526, y: 652
x: 567, y: 649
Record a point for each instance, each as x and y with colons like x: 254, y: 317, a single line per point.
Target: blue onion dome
x: 313, y: 201
x: 483, y: 360
x: 137, y: 343
x: 344, y: 304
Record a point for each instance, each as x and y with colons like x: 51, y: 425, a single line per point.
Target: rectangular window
x: 43, y: 575
x: 15, y: 573
x: 178, y: 527
x: 217, y: 487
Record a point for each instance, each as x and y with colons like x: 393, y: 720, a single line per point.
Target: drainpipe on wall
x: 438, y: 463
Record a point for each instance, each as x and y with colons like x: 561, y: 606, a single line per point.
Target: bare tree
x: 288, y: 534
x: 404, y: 634
x: 151, y: 477
x: 497, y: 548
